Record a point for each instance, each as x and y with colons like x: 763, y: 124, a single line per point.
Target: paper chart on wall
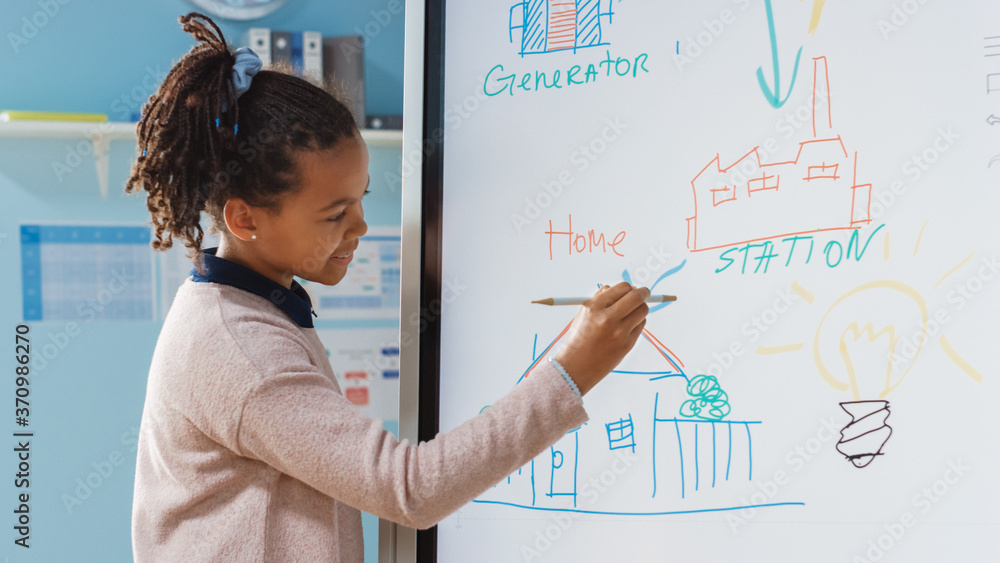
x: 83, y: 273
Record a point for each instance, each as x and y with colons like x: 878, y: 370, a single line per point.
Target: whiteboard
x: 817, y: 184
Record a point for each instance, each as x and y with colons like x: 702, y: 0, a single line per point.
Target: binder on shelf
x: 307, y: 55
x: 385, y: 121
x: 303, y: 50
x: 281, y: 47
x: 344, y: 63
x: 313, y: 56
x: 259, y: 39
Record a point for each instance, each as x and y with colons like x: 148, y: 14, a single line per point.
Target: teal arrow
x: 774, y: 97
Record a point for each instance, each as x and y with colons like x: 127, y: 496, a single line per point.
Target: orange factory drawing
x: 817, y: 191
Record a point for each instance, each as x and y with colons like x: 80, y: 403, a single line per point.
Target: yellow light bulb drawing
x: 817, y: 13
x: 870, y: 372
x: 867, y: 343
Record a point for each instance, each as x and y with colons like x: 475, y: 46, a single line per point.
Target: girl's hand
x: 603, y: 331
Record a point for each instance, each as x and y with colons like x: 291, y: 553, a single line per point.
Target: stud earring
x: 254, y: 237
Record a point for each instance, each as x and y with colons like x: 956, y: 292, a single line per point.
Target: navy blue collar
x: 295, y: 301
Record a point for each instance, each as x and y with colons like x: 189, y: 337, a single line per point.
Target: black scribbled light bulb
x: 864, y: 437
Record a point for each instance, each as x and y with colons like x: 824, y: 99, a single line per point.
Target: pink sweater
x: 248, y: 451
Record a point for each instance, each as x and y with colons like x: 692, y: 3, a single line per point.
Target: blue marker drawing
x: 691, y: 446
x: 657, y: 444
x: 656, y: 403
x: 628, y: 279
x: 549, y: 26
x: 774, y: 97
x: 729, y: 454
x: 664, y: 513
x: 532, y: 482
x: 697, y: 474
x: 680, y: 450
x: 620, y: 434
x: 713, y: 456
x: 708, y: 401
x: 565, y: 479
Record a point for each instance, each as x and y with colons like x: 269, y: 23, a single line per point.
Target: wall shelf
x: 101, y: 135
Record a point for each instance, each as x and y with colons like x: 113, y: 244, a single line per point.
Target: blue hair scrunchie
x: 244, y: 69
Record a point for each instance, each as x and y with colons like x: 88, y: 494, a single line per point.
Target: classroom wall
x: 86, y: 403
x: 103, y: 56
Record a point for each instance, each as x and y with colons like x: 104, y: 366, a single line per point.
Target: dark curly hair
x: 193, y: 156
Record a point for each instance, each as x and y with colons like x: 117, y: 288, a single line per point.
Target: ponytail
x: 199, y: 145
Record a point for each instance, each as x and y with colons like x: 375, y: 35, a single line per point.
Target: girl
x: 248, y: 451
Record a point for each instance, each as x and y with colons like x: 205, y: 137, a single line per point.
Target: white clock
x: 239, y: 9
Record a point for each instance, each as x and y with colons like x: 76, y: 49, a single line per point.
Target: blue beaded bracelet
x: 569, y: 380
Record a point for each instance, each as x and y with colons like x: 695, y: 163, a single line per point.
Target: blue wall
x: 90, y: 55
x: 87, y: 402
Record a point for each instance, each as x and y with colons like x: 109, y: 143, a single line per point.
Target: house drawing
x: 680, y: 464
x: 547, y: 26
x: 816, y: 191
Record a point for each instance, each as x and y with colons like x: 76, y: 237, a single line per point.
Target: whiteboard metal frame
x: 399, y: 543
x: 423, y: 51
